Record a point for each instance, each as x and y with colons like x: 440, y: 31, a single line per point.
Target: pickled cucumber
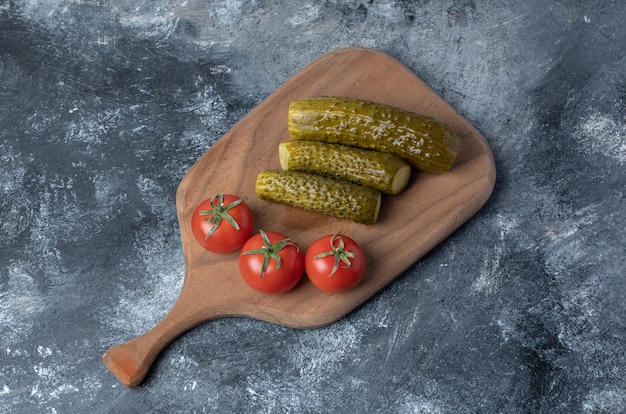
x: 325, y: 195
x: 380, y: 170
x: 422, y: 141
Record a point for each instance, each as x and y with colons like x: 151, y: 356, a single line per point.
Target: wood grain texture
x: 410, y: 224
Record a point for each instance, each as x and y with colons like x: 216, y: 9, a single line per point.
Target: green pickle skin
x: 370, y: 168
x: 423, y: 142
x: 321, y: 194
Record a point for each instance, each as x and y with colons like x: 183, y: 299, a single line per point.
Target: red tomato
x: 335, y: 263
x: 222, y: 223
x: 271, y: 262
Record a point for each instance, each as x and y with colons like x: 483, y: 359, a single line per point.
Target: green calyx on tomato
x: 341, y: 255
x: 218, y: 212
x: 271, y: 251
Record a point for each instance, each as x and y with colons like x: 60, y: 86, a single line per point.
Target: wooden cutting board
x: 410, y: 224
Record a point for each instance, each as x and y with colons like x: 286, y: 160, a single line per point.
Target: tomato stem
x: 271, y: 251
x: 219, y: 212
x: 341, y: 255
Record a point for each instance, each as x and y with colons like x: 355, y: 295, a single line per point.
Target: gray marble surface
x: 105, y: 104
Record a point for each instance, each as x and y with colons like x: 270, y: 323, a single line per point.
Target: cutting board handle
x: 130, y: 361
